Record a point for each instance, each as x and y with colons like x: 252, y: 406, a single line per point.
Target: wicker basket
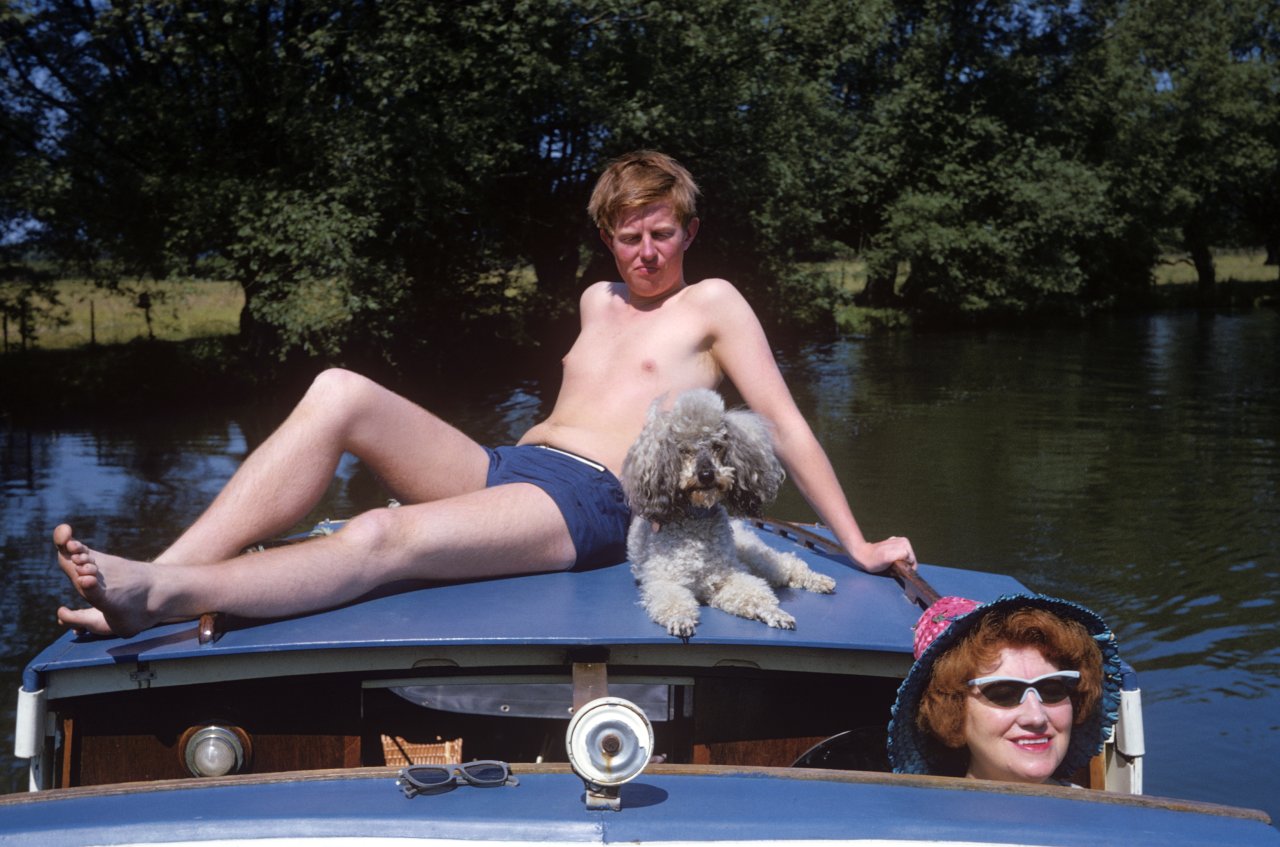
x: 400, y: 753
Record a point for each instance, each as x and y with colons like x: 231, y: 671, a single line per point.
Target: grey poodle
x: 688, y: 471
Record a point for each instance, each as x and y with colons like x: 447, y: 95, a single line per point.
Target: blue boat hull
x: 665, y: 805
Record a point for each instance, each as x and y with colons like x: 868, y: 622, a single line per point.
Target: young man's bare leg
x: 419, y: 457
x: 493, y: 532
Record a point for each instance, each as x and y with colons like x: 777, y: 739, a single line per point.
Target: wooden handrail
x: 914, y: 586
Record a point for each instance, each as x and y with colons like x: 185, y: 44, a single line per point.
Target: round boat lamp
x: 610, y: 741
x: 214, y: 750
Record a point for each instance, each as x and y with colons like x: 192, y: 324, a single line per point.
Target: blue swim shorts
x: 587, y: 493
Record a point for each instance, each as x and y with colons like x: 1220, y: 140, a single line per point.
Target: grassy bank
x: 1232, y: 266
x: 85, y: 314
x: 1244, y: 280
x: 100, y: 352
x: 187, y: 310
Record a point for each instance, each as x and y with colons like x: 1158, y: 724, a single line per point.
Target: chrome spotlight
x: 610, y: 741
x: 214, y: 750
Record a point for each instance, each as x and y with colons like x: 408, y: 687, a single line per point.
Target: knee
x: 373, y: 533
x: 340, y: 397
x: 337, y: 383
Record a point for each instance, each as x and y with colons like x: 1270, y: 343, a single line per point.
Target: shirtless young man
x: 469, y: 511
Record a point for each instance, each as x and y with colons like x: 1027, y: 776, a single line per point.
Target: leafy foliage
x: 28, y: 299
x: 389, y: 178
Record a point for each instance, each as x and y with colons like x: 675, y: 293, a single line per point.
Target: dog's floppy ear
x: 758, y: 473
x: 651, y: 469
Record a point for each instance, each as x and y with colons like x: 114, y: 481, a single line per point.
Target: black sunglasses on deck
x: 433, y: 779
x: 1007, y: 692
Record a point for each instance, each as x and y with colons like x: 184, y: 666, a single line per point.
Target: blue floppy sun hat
x: 913, y: 750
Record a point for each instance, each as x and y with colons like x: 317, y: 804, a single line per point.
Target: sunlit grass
x: 1229, y: 266
x: 850, y: 275
x: 847, y: 274
x: 189, y: 309
x: 1236, y: 265
x: 180, y: 310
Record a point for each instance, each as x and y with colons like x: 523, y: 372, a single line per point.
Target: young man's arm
x: 742, y: 352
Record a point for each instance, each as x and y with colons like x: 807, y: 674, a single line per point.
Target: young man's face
x: 648, y: 246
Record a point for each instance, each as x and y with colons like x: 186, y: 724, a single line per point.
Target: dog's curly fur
x: 688, y: 471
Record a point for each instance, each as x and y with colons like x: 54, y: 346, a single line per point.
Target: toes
x: 84, y: 620
x: 681, y: 627
x: 813, y: 581
x: 822, y: 584
x: 61, y: 534
x: 778, y: 618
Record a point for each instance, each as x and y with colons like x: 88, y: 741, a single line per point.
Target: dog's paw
x: 681, y: 627
x: 777, y: 618
x: 816, y: 582
x: 681, y: 624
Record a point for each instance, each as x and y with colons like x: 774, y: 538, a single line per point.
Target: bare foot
x: 117, y: 588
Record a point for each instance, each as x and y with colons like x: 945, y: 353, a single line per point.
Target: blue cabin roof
x: 867, y: 613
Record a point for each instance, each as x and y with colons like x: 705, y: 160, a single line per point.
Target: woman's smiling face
x: 1025, y: 743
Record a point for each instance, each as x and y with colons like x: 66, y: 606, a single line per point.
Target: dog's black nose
x: 706, y: 476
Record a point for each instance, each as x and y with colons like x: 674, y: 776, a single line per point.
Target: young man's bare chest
x: 653, y: 352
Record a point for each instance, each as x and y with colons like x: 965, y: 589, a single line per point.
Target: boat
x: 557, y: 713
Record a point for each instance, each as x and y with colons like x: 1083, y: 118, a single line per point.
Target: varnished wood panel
x: 123, y: 758
x: 767, y: 752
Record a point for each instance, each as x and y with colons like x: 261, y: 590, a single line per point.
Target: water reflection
x: 1130, y: 464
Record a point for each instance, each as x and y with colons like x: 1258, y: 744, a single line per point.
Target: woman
x: 1022, y: 689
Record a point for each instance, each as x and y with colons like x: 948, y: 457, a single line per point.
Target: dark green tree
x: 1197, y: 122
x: 382, y: 176
x: 255, y: 141
x: 958, y: 165
x: 379, y: 171
x: 739, y: 91
x: 28, y: 298
x: 1261, y: 191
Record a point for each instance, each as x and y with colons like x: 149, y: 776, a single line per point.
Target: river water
x: 1130, y: 464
